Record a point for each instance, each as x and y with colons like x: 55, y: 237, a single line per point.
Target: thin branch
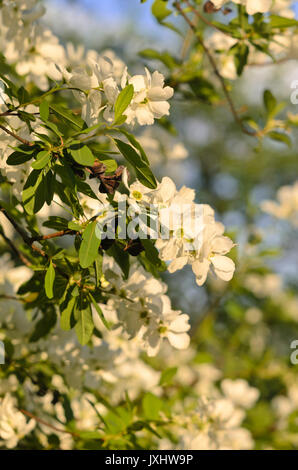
x: 15, y: 136
x: 41, y: 421
x: 30, y: 242
x: 237, y: 118
x: 19, y: 229
x: 202, y: 18
x: 61, y: 233
x: 22, y: 232
x: 15, y: 250
x: 10, y: 297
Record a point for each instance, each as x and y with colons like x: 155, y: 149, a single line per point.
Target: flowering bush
x: 96, y: 355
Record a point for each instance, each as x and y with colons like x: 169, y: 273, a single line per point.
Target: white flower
x: 13, y: 424
x: 287, y: 206
x: 185, y: 232
x: 240, y: 392
x: 150, y: 98
x: 212, y: 254
x: 252, y: 6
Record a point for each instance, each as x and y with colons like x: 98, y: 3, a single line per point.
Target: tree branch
x: 61, y: 233
x: 15, y: 136
x: 202, y: 18
x: 41, y: 421
x: 237, y: 118
x: 15, y: 249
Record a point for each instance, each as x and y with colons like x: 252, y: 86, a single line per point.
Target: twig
x: 237, y: 118
x: 22, y: 232
x: 202, y: 18
x: 15, y: 250
x: 61, y: 233
x: 10, y: 297
x: 15, y: 136
x: 41, y: 421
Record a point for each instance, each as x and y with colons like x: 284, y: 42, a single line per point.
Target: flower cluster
x: 287, y: 205
x: 100, y: 89
x: 190, y: 234
x: 252, y: 6
x: 142, y: 308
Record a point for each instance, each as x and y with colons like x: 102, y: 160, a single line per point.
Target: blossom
x: 240, y: 392
x: 150, y: 98
x: 212, y: 254
x: 142, y: 308
x: 287, y: 205
x: 13, y: 424
x: 252, y: 6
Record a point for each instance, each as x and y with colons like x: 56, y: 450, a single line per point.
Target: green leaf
x: 18, y: 158
x: 44, y: 325
x: 167, y: 376
x: 84, y: 326
x: 68, y: 115
x: 42, y: 160
x: 270, y: 102
x: 83, y: 156
x: 280, y: 137
x: 49, y: 281
x: 65, y: 317
x: 44, y: 110
x: 160, y: 10
x: 121, y: 257
x: 131, y: 138
x: 90, y: 244
x: 123, y: 100
x: 152, y: 254
x: 23, y: 95
x: 152, y: 405
x: 163, y: 57
x: 281, y: 22
x: 110, y: 164
x: 99, y: 311
x: 56, y: 223
x: 98, y: 269
x: 34, y: 192
x: 143, y: 171
x: 73, y: 226
x: 241, y: 51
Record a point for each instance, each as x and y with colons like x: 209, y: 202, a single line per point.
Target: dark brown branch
x: 15, y: 136
x: 15, y: 249
x: 237, y: 118
x: 61, y: 233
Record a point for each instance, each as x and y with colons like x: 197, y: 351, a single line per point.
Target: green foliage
x: 90, y: 244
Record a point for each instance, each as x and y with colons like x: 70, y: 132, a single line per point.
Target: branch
x: 237, y: 118
x: 61, y: 233
x: 15, y: 249
x: 202, y: 18
x: 41, y: 421
x: 15, y: 136
x: 30, y: 242
x: 10, y: 297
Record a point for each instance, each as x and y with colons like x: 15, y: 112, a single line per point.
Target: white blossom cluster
x: 252, y: 6
x: 192, y: 236
x: 114, y: 364
x: 37, y: 54
x: 100, y: 90
x: 287, y: 205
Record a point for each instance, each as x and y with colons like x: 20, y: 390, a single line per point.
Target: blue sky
x: 89, y: 18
